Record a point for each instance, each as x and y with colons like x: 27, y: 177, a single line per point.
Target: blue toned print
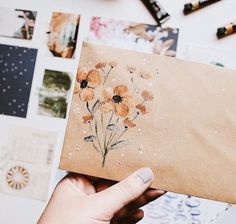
x: 16, y: 73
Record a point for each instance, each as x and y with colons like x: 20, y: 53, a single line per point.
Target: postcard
x: 167, y: 209
x: 53, y: 95
x: 17, y: 23
x: 26, y: 162
x: 132, y: 109
x: 134, y: 36
x: 63, y: 34
x: 16, y: 73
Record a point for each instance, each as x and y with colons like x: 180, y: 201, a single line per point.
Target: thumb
x: 116, y: 197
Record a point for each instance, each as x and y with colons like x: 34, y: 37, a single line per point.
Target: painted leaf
x: 96, y: 106
x: 90, y: 138
x: 119, y: 144
x: 113, y: 127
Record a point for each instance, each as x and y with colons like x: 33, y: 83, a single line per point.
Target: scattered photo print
x: 28, y: 159
x: 62, y: 35
x: 209, y: 55
x: 134, y: 36
x: 16, y: 73
x: 17, y: 23
x: 53, y: 96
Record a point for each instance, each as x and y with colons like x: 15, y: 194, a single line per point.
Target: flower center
x: 117, y: 99
x: 83, y: 84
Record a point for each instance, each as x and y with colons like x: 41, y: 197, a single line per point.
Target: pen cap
x: 220, y: 32
x: 187, y: 8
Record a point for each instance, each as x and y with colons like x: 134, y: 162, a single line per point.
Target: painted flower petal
x: 130, y: 69
x: 86, y: 94
x: 129, y: 123
x: 100, y: 65
x: 87, y: 118
x: 112, y: 64
x: 107, y: 93
x: 81, y: 74
x: 147, y: 95
x: 107, y: 106
x: 93, y: 78
x: 122, y: 110
x: 129, y: 101
x: 141, y: 108
x: 120, y: 90
x: 77, y: 88
x: 144, y: 75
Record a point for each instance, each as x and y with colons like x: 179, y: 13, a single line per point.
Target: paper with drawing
x: 26, y: 161
x: 131, y: 110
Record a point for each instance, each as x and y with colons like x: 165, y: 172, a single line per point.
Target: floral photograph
x: 111, y: 110
x: 134, y: 36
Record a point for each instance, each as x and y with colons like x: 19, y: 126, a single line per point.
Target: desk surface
x: 198, y: 28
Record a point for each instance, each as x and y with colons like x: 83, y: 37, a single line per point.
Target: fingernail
x: 161, y: 191
x: 146, y: 175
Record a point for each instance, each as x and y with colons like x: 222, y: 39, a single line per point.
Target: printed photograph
x: 24, y: 172
x: 208, y: 55
x: 53, y: 95
x: 16, y: 73
x: 134, y: 36
x: 17, y: 23
x: 62, y: 35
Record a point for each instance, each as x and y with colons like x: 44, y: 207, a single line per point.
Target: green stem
x: 95, y: 127
x: 143, y: 102
x: 102, y: 120
x: 110, y: 141
x: 104, y: 159
x: 136, y: 115
x: 96, y: 148
x: 118, y: 138
x: 96, y: 131
x: 105, y: 137
x: 106, y: 76
x: 117, y: 120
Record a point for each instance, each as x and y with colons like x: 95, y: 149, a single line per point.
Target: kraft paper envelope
x: 133, y: 110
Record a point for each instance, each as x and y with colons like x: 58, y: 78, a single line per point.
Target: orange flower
x: 147, y: 95
x: 141, y: 108
x: 87, y: 118
x: 144, y: 75
x: 131, y: 69
x: 112, y: 64
x: 117, y: 99
x: 100, y: 65
x: 86, y: 83
x: 129, y: 123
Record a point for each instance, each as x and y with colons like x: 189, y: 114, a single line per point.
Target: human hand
x: 78, y: 200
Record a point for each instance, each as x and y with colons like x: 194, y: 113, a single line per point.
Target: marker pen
x: 197, y: 4
x: 157, y: 11
x: 226, y: 30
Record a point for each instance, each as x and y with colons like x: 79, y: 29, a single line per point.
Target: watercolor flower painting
x: 111, y: 111
x: 134, y: 36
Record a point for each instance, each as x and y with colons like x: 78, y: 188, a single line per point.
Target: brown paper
x: 181, y: 121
